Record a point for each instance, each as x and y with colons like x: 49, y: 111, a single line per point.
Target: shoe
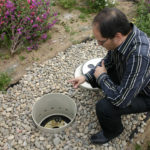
x: 99, y: 138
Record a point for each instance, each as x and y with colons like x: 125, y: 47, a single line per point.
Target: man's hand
x: 99, y: 70
x: 77, y: 81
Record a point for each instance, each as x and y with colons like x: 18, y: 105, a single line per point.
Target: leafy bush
x: 67, y: 3
x: 4, y: 81
x: 138, y: 147
x: 89, y: 7
x: 97, y: 5
x: 143, y: 16
x: 24, y: 22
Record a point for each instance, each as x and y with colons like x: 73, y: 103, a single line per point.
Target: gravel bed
x: 17, y: 131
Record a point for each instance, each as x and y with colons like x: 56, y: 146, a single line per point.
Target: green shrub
x: 143, y: 16
x: 4, y: 81
x: 83, y: 16
x: 22, y: 58
x: 138, y: 147
x: 67, y: 3
x: 91, y: 6
x: 97, y: 5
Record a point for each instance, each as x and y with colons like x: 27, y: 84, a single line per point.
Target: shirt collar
x: 123, y: 48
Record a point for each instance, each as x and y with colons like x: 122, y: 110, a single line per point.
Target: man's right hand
x: 77, y: 81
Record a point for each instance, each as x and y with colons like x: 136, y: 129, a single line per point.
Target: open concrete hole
x: 54, y: 112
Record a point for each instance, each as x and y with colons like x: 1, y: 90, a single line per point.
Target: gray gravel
x: 17, y: 131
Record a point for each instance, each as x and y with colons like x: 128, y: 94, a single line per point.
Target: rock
x: 66, y: 147
x: 37, y: 144
x: 9, y: 109
x: 56, y: 141
x: 141, y: 130
x: 24, y: 143
x: 41, y: 138
x: 124, y: 143
x: 10, y: 137
x: 110, y: 148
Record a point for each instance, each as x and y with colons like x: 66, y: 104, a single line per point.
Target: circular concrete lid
x: 78, y: 73
x: 90, y: 65
x: 86, y: 85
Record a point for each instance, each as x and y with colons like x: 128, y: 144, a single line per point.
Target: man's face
x: 105, y: 42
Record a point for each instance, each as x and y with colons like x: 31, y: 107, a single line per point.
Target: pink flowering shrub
x: 25, y: 22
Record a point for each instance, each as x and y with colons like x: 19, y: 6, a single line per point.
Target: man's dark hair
x: 111, y: 21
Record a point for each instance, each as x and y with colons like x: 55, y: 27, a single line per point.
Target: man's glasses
x: 101, y: 42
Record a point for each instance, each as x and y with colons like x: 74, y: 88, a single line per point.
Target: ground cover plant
x: 4, y: 81
x: 143, y: 16
x: 97, y: 5
x: 89, y: 6
x: 25, y: 22
x: 68, y: 4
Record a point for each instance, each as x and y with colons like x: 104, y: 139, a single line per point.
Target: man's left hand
x: 99, y: 70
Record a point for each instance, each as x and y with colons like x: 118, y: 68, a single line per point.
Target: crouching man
x: 123, y: 74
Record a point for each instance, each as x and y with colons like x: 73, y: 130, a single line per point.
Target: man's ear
x: 118, y: 37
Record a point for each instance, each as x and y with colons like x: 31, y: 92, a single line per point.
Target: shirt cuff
x: 88, y: 77
x: 101, y: 77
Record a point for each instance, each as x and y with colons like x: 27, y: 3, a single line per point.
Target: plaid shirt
x: 132, y: 63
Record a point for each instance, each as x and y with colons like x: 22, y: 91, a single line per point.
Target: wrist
x: 85, y: 78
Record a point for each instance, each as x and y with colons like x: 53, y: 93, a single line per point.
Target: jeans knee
x: 103, y: 107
